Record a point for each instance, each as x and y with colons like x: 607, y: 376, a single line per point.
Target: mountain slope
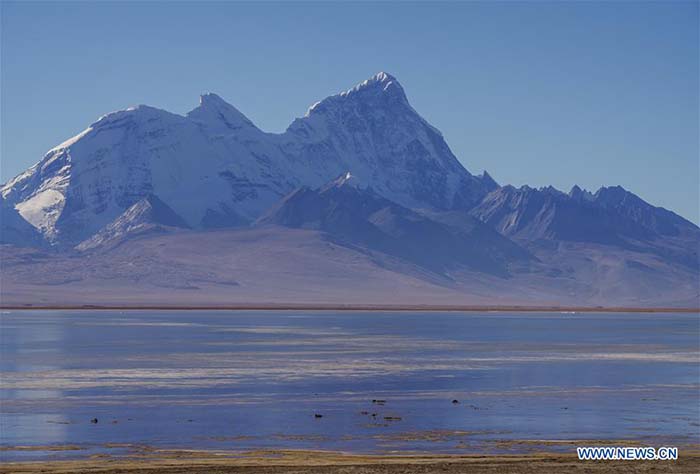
x: 273, y: 264
x: 531, y: 214
x: 609, y: 214
x: 148, y: 215
x: 15, y: 230
x: 612, y: 216
x: 357, y: 216
x: 656, y: 219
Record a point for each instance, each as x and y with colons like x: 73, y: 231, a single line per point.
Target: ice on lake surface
x: 242, y: 380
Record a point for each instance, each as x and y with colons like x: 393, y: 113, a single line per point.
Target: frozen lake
x: 238, y: 380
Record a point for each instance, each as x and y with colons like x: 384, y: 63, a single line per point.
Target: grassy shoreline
x: 324, y: 462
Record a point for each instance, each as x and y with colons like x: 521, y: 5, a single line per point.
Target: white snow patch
x: 42, y: 209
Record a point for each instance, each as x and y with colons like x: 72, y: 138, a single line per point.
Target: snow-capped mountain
x: 215, y: 168
x: 359, y: 200
x: 83, y: 184
x: 374, y: 132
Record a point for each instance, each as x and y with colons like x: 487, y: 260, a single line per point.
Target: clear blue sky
x: 536, y: 93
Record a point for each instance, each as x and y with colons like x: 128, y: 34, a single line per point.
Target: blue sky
x: 562, y: 93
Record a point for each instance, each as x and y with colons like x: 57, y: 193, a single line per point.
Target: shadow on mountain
x: 148, y: 216
x: 612, y: 217
x: 352, y: 216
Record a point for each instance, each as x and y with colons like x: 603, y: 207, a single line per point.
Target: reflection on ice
x: 255, y: 379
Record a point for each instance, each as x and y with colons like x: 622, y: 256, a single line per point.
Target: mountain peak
x: 381, y: 82
x: 139, y: 112
x: 381, y: 78
x: 618, y: 196
x: 218, y: 115
x: 210, y: 99
x: 345, y: 180
x: 579, y: 194
x: 612, y: 192
x: 147, y: 215
x: 488, y: 180
x: 380, y: 88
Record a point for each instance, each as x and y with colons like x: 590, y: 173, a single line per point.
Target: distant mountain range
x: 361, y: 173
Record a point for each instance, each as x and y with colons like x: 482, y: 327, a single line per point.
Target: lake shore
x: 323, y: 462
x: 355, y: 307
